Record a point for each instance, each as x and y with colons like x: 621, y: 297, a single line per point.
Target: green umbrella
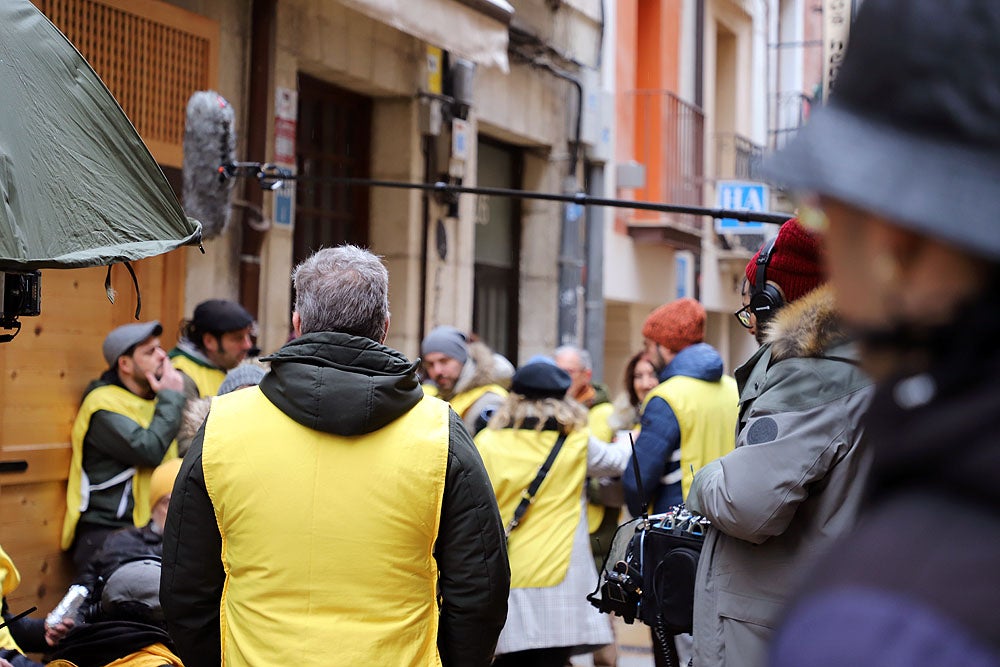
x: 78, y: 187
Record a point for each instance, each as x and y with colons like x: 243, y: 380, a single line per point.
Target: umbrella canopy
x: 78, y: 187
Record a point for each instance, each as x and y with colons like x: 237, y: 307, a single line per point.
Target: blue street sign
x: 681, y: 264
x: 283, y: 207
x: 741, y: 196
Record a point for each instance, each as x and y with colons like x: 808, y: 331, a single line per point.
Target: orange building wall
x: 648, y: 59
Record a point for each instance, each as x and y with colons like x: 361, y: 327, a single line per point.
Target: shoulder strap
x: 529, y: 494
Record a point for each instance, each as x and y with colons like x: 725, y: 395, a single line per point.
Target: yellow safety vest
x: 540, y: 547
x: 78, y: 487
x: 327, y: 540
x: 9, y: 580
x: 706, y: 413
x: 597, y: 419
x: 154, y: 655
x: 207, y: 379
x: 461, y: 403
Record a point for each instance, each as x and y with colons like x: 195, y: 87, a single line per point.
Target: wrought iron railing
x: 669, y: 139
x: 737, y: 157
x: 790, y: 112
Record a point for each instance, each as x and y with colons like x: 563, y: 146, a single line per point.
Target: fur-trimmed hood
x: 483, y: 367
x: 807, y: 327
x: 194, y: 415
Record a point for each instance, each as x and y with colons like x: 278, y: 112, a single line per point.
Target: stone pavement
x: 634, y: 646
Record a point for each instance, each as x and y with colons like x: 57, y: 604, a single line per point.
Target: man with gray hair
x: 333, y: 513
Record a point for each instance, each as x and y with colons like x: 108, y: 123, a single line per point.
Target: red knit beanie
x: 677, y: 324
x: 795, y: 262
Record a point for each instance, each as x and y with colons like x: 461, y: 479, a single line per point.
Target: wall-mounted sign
x: 836, y: 28
x: 286, y: 111
x: 741, y: 196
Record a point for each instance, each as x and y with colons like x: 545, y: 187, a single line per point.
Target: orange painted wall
x: 648, y: 60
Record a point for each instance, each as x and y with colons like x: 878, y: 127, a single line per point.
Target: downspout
x: 699, y: 54
x: 262, y: 28
x: 570, y: 245
x: 594, y: 309
x: 594, y: 305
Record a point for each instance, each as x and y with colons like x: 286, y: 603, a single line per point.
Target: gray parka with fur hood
x: 790, y: 487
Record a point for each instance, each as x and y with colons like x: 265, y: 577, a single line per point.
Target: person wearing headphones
x: 899, y: 172
x: 793, y: 483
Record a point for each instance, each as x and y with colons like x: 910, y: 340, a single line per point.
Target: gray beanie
x: 448, y: 341
x: 244, y: 375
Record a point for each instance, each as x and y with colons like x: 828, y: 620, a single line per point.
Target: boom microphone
x: 209, y: 141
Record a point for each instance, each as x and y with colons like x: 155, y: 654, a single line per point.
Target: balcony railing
x: 790, y: 112
x: 736, y: 157
x: 669, y: 140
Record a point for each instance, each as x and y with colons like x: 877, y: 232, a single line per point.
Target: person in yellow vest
x: 214, y: 341
x: 592, y: 395
x: 121, y: 546
x: 551, y: 566
x: 687, y: 420
x: 125, y: 427
x: 614, y: 423
x: 334, y: 514
x: 466, y: 374
x: 126, y: 628
x: 11, y: 654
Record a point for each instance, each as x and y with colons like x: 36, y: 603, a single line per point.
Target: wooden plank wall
x: 152, y: 55
x: 43, y: 373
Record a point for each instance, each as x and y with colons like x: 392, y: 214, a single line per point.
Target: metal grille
x: 151, y: 56
x: 670, y: 141
x: 737, y: 157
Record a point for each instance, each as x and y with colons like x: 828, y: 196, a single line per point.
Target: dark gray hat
x: 448, y: 341
x: 911, y: 130
x: 541, y: 379
x: 137, y: 581
x: 220, y: 316
x: 122, y: 338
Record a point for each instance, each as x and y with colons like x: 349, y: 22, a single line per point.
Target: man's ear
x: 210, y: 342
x: 296, y: 323
x: 124, y: 364
x: 385, y: 331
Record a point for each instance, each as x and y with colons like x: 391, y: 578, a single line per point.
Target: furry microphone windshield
x: 209, y: 141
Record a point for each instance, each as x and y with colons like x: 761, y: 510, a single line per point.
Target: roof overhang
x: 472, y: 29
x: 668, y: 232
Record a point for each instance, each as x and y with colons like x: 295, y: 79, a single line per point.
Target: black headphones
x: 765, y: 300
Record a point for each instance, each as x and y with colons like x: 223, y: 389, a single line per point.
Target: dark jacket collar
x: 341, y: 384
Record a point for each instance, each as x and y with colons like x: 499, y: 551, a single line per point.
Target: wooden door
x: 43, y: 373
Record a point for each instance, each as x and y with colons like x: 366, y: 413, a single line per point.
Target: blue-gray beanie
x: 448, y: 341
x: 244, y: 375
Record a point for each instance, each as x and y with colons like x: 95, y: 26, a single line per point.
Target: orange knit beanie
x: 676, y: 325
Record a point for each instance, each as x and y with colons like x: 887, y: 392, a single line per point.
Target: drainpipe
x: 262, y: 26
x: 571, y: 242
x: 593, y: 333
x: 699, y: 54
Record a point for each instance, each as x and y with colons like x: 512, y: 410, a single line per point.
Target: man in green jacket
x: 124, y: 428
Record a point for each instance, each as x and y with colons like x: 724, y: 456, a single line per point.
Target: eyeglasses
x: 743, y: 316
